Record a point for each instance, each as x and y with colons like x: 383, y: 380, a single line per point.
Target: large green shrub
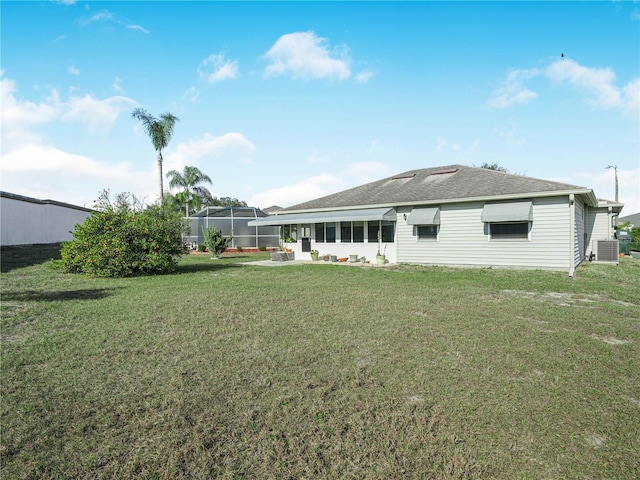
x: 125, y: 240
x: 635, y: 239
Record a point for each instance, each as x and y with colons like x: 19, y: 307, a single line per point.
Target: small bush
x: 214, y: 240
x: 239, y: 248
x: 125, y: 240
x: 202, y: 247
x: 262, y: 248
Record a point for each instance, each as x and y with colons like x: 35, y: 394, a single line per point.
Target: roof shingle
x: 439, y: 184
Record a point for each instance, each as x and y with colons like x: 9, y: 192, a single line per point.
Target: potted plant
x: 314, y: 255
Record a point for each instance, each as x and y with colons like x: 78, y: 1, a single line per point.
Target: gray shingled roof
x: 634, y: 219
x: 439, y: 184
x: 15, y: 196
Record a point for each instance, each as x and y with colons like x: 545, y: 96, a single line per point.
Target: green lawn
x: 228, y: 370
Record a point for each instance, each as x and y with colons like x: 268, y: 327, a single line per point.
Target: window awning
x: 424, y: 216
x: 368, y: 214
x: 507, y: 212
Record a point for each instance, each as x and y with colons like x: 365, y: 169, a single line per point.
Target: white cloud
x: 512, y: 92
x: 316, y: 158
x: 360, y: 173
x: 603, y: 185
x: 73, y: 70
x: 117, y: 84
x: 307, y: 189
x: 192, y: 94
x: 98, y: 115
x: 364, y: 77
x: 631, y: 97
x: 42, y: 158
x: 20, y: 118
x: 188, y: 153
x: 47, y: 172
x: 305, y: 55
x: 138, y: 27
x: 216, y: 68
x: 18, y: 115
x: 595, y: 83
x: 104, y: 15
x: 510, y: 136
x: 442, y: 145
x: 320, y: 185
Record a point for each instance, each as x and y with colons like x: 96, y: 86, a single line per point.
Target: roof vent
x: 441, y: 172
x: 403, y: 175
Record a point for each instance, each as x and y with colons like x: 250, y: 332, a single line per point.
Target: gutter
x: 572, y: 233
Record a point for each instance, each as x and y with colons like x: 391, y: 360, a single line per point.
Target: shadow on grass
x: 205, y: 267
x: 20, y: 256
x: 58, y: 296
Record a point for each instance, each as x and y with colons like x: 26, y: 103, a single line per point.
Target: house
x: 456, y: 216
x: 27, y: 220
x: 634, y: 220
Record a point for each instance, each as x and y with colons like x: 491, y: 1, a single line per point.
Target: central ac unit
x: 608, y: 251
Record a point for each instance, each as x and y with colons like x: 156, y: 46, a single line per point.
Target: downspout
x: 572, y: 233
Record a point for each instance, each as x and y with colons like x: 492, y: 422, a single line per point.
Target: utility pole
x: 615, y: 169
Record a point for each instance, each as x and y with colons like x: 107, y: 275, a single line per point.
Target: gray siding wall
x: 598, y: 227
x: 463, y: 239
x: 24, y: 223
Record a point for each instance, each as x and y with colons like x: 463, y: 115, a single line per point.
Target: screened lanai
x: 233, y: 221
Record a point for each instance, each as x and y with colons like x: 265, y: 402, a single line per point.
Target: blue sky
x: 283, y: 102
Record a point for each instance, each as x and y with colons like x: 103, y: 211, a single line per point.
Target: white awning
x: 424, y: 216
x: 364, y: 215
x: 507, y: 212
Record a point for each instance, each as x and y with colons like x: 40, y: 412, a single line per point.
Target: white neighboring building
x: 26, y: 220
x: 456, y: 216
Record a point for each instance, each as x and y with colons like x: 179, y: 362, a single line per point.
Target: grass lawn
x: 231, y: 370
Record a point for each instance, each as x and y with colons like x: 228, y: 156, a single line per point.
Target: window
x: 345, y: 232
x: 358, y: 232
x: 290, y: 233
x: 326, y: 232
x: 353, y: 232
x: 386, y: 229
x: 427, y: 232
x: 509, y: 231
x: 330, y: 232
x: 372, y: 231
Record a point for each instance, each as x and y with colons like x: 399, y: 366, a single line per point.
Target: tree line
x: 192, y: 193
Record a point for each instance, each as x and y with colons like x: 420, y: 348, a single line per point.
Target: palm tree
x: 160, y: 131
x: 190, y: 181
